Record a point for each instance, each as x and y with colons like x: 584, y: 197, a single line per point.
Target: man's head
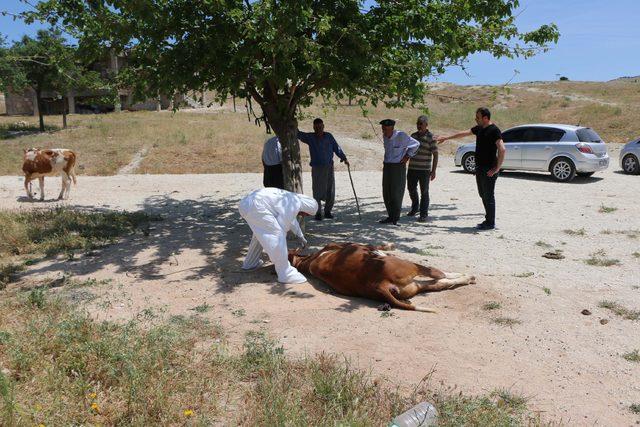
x: 422, y: 124
x: 483, y: 116
x: 318, y: 126
x: 387, y: 127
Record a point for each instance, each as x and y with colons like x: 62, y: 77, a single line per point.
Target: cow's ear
x: 24, y: 151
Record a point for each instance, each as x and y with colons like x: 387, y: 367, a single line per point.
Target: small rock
x: 554, y: 255
x: 586, y: 312
x: 604, y: 321
x: 266, y: 321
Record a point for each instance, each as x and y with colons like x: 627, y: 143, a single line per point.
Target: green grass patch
x: 620, y: 310
x: 632, y: 356
x: 636, y: 254
x: 546, y: 290
x: 599, y: 259
x: 607, y: 209
x: 635, y: 408
x: 491, y: 305
x: 542, y: 244
x: 202, y: 308
x: 64, y: 230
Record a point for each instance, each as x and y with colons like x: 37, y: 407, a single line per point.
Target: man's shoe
x: 486, y: 226
x: 412, y: 213
x: 318, y: 217
x: 422, y: 219
x: 386, y: 221
x: 482, y: 224
x: 328, y: 216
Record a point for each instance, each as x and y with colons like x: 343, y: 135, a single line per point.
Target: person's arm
x: 501, y: 152
x: 295, y: 228
x: 412, y: 146
x: 338, y: 151
x: 305, y: 137
x: 442, y: 139
x: 435, y: 165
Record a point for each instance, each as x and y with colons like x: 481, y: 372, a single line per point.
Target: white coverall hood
x: 271, y: 213
x: 307, y: 204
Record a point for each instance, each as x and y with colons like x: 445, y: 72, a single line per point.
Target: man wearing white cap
x: 271, y: 213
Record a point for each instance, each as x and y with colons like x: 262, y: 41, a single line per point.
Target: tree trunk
x: 40, y: 114
x: 287, y: 133
x: 64, y: 112
x: 286, y: 129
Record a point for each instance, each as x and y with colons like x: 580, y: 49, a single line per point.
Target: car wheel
x: 585, y: 174
x: 562, y: 169
x: 469, y: 162
x: 630, y: 164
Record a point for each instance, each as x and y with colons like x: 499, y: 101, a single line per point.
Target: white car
x: 563, y: 150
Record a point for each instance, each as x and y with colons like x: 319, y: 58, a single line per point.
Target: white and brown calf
x: 56, y: 161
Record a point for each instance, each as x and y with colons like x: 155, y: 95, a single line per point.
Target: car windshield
x: 588, y: 135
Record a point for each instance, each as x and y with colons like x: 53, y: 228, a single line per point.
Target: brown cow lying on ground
x: 365, y: 271
x: 40, y: 163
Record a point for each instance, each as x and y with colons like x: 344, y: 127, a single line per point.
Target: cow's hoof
x: 472, y: 280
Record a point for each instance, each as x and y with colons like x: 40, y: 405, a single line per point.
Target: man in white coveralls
x: 271, y: 213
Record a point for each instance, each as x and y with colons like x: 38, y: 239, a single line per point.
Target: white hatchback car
x: 563, y: 150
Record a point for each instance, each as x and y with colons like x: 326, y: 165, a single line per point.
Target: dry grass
x: 223, y: 141
x: 30, y: 235
x: 506, y: 321
x: 60, y: 367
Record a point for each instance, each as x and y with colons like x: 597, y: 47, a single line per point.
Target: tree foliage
x: 284, y: 53
x: 46, y: 63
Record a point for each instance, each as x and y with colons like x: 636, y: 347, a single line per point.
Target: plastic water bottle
x: 422, y: 415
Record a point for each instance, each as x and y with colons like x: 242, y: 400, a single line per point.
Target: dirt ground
x: 568, y: 364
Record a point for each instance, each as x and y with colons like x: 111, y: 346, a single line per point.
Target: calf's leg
x: 41, y: 184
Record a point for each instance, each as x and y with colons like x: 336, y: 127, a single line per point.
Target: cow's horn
x: 425, y: 309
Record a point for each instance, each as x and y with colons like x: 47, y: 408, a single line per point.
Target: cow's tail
x: 394, y: 302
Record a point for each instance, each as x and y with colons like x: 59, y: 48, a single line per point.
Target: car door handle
x: 547, y: 148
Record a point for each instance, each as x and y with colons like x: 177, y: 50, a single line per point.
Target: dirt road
x: 570, y: 365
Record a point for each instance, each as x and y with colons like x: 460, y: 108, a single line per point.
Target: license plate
x: 603, y: 162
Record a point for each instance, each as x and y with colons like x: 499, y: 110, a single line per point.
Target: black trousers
x: 273, y: 176
x: 419, y: 201
x: 394, y: 176
x: 486, y: 190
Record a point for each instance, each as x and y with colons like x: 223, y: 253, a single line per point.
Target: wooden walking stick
x: 354, y: 192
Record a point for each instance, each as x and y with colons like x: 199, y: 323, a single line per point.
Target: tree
x: 283, y: 53
x: 45, y: 64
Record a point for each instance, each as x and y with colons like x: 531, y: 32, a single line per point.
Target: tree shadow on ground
x: 212, y: 229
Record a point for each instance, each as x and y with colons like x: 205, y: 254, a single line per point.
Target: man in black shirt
x: 489, y: 157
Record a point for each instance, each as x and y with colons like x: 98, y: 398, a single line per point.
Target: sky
x: 599, y: 41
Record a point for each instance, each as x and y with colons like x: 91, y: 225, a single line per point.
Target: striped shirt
x: 423, y: 158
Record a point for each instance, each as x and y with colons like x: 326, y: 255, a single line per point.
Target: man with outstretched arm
x: 489, y: 157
